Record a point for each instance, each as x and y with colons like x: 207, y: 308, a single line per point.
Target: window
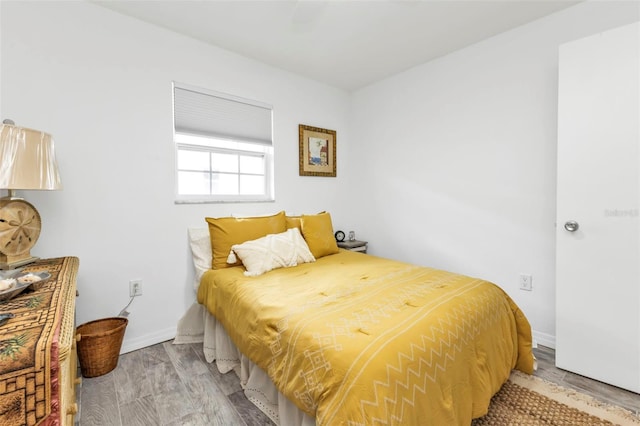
x: 224, y: 150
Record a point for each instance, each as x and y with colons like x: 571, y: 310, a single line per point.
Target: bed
x: 354, y: 339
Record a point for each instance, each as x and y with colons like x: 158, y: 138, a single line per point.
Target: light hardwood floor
x: 606, y: 393
x: 169, y: 384
x: 166, y: 384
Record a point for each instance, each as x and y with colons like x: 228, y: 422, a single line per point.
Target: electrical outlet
x: 135, y: 288
x: 526, y: 282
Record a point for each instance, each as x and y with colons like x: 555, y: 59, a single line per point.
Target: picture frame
x: 317, y: 151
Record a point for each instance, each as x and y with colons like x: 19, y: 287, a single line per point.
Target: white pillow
x: 200, y: 244
x: 271, y: 252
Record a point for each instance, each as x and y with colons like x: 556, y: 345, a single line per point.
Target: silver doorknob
x: 571, y: 226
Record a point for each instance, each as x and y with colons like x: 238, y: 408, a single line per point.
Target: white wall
x: 100, y: 83
x: 459, y: 158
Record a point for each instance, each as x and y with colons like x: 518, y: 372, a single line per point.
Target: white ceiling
x: 346, y: 44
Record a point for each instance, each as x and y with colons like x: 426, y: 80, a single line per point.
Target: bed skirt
x: 199, y: 326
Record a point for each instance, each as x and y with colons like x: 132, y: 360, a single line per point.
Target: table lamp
x: 27, y: 161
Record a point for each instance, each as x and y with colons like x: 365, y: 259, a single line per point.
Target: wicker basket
x: 99, y: 345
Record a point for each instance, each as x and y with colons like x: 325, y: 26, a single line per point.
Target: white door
x: 598, y: 256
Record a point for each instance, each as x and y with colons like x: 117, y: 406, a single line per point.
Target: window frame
x: 224, y: 145
x: 226, y: 198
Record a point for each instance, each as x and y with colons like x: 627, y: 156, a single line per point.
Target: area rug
x: 530, y: 401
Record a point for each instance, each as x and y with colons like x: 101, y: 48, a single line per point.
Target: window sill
x: 196, y: 201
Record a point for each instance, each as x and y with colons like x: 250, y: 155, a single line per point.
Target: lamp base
x: 19, y: 231
x: 13, y: 262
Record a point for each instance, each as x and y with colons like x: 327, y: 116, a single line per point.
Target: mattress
x: 356, y: 339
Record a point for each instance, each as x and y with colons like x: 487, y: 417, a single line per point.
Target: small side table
x: 356, y: 245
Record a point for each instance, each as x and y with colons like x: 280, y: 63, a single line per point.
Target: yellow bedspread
x: 354, y: 339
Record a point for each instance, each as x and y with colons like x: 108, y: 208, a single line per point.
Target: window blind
x: 205, y: 113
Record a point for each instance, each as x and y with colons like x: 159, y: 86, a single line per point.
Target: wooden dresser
x: 38, y: 364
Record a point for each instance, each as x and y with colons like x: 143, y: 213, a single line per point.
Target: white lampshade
x: 27, y: 159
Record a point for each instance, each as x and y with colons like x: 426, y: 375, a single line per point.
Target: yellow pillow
x: 227, y: 231
x: 317, y: 231
x: 294, y: 222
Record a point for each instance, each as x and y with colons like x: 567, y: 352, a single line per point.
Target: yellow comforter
x: 354, y: 339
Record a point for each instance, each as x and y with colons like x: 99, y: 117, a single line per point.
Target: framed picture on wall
x: 317, y: 151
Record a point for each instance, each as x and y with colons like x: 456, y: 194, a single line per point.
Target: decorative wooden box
x: 37, y: 349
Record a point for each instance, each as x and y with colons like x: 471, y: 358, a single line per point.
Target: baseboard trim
x: 130, y: 345
x: 543, y: 339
